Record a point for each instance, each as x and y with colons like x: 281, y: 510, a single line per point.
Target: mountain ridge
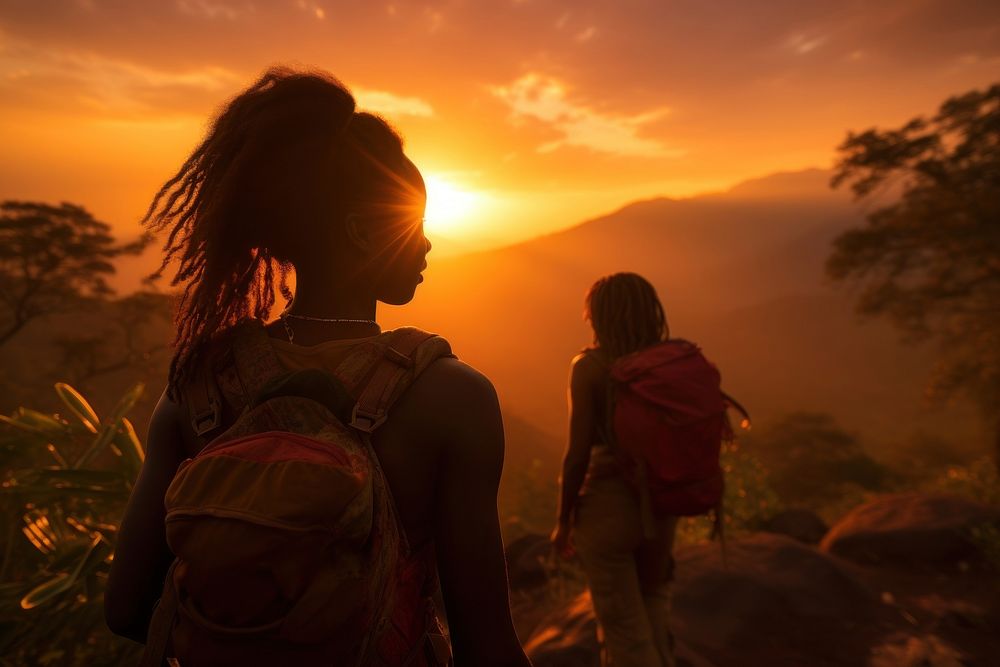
x: 722, y: 265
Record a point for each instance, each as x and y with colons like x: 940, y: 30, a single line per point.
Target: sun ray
x: 449, y: 207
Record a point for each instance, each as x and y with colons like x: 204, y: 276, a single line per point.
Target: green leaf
x: 44, y: 494
x: 69, y: 553
x: 42, y: 421
x: 127, y: 402
x: 24, y: 427
x: 128, y: 443
x: 63, y: 581
x: 78, y: 478
x: 79, y: 406
x: 106, y: 530
x: 99, y: 444
x: 111, y: 426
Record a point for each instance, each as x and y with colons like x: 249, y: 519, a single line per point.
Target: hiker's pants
x: 629, y: 575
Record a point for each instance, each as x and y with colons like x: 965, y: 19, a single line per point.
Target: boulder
x: 801, y: 525
x: 774, y: 601
x: 526, y: 561
x: 567, y: 637
x: 913, y: 529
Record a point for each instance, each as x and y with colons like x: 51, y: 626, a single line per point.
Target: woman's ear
x: 358, y: 233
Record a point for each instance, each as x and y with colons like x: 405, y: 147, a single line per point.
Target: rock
x: 802, y: 525
x: 910, y: 529
x: 903, y: 650
x: 567, y: 637
x: 526, y: 561
x: 776, y: 601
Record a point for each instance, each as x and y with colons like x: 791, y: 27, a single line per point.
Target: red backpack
x: 287, y: 543
x: 668, y: 418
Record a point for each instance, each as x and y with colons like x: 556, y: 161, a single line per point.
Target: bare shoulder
x: 587, y: 368
x: 166, y: 415
x: 456, y: 406
x: 170, y: 427
x: 456, y: 381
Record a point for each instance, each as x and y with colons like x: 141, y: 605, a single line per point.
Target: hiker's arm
x: 470, y: 555
x: 582, y: 397
x: 141, y: 555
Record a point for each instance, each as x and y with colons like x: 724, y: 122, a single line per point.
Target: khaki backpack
x: 288, y: 548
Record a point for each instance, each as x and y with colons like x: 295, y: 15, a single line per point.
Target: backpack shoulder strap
x: 400, y: 356
x: 204, y: 402
x: 239, y: 364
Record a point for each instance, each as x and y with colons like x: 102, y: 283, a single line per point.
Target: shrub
x: 749, y: 501
x: 977, y: 481
x: 66, y: 480
x: 813, y: 463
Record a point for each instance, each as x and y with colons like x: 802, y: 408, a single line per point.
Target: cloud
x: 545, y: 98
x: 213, y: 10
x: 803, y: 44
x: 391, y: 104
x: 85, y: 81
x: 312, y: 8
x: 81, y: 80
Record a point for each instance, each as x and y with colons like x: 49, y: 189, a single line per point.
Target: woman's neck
x: 328, y: 299
x: 333, y: 299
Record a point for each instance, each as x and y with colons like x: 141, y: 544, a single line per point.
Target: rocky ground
x: 905, y: 580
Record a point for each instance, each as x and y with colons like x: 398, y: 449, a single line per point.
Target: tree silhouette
x: 930, y: 259
x: 811, y: 459
x: 132, y: 340
x: 51, y: 259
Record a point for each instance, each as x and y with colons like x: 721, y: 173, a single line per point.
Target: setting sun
x: 449, y: 207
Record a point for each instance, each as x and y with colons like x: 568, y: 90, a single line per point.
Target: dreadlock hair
x: 282, y: 162
x: 625, y: 313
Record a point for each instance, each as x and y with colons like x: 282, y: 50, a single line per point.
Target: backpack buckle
x: 366, y: 421
x: 207, y: 420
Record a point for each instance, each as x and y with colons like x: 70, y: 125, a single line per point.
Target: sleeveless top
x: 603, y: 458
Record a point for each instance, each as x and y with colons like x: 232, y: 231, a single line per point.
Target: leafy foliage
x: 129, y: 340
x: 979, y: 481
x: 812, y: 462
x: 66, y: 479
x: 51, y: 258
x: 530, y: 507
x: 749, y: 501
x: 930, y: 261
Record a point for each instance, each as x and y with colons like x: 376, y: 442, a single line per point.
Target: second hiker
x: 647, y: 417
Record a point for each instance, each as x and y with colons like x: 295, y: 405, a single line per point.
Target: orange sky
x: 542, y: 112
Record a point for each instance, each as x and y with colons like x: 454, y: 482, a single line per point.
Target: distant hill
x: 740, y: 272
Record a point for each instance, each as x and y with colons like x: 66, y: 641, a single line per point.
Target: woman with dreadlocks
x: 292, y: 179
x: 600, y: 515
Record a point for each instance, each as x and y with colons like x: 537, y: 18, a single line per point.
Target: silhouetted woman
x: 292, y: 176
x: 599, y: 512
